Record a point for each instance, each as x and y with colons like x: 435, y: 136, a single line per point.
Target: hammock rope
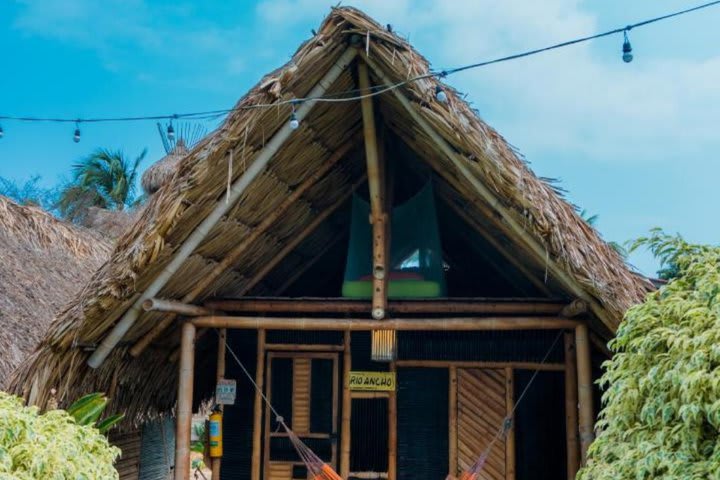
x: 320, y: 470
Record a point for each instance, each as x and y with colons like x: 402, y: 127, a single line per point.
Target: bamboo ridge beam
x: 339, y: 305
x: 376, y: 185
x: 221, y: 208
x: 361, y: 324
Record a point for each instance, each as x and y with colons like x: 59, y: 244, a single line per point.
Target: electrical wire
x: 375, y: 90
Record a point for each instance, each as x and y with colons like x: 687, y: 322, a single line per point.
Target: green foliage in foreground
x: 88, y: 409
x: 50, y: 446
x: 661, y: 416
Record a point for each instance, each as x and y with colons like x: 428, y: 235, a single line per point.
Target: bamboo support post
x: 571, y: 407
x: 453, y: 423
x: 258, y: 406
x: 510, y: 435
x: 361, y: 324
x: 219, y: 375
x: 184, y: 402
x: 376, y: 184
x: 585, y: 393
x: 477, y: 306
x: 392, y: 428
x: 346, y: 410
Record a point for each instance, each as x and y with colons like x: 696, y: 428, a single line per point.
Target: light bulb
x: 170, y: 132
x: 76, y: 135
x: 440, y: 94
x: 627, y: 55
x: 294, y: 122
x: 2, y: 132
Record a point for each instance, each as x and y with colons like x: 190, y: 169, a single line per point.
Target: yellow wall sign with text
x: 372, y: 381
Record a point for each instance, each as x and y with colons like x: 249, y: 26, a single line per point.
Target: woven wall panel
x: 301, y: 395
x: 280, y: 471
x: 481, y: 408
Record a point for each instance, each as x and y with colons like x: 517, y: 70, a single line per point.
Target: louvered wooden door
x: 304, y: 389
x: 482, y: 399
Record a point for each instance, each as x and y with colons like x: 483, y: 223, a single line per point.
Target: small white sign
x: 225, y: 392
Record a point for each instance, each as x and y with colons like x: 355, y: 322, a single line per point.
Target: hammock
x: 319, y: 470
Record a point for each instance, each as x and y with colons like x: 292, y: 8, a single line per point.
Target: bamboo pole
x: 574, y: 308
x: 585, y: 394
x: 340, y: 305
x: 242, y: 247
x: 376, y: 184
x: 452, y: 423
x: 219, y: 211
x: 571, y: 407
x: 546, y: 367
x: 355, y: 324
x: 392, y: 428
x: 173, y: 306
x: 484, y: 193
x: 510, y: 435
x: 258, y: 406
x: 219, y: 375
x: 184, y: 402
x: 346, y: 410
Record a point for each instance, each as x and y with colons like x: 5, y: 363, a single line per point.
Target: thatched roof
x: 43, y: 264
x: 555, y: 243
x: 161, y: 172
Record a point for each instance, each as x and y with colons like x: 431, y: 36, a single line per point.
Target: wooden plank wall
x: 128, y: 464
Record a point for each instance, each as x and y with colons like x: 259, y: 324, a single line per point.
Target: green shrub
x: 661, y: 406
x: 50, y: 446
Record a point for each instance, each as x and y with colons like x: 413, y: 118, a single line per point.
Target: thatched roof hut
x: 161, y: 172
x: 44, y: 263
x: 287, y: 207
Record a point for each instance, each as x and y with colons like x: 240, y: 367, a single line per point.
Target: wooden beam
x: 346, y: 409
x: 547, y: 367
x: 486, y: 195
x: 510, y: 435
x: 392, y: 428
x: 585, y: 393
x: 254, y: 235
x: 477, y: 306
x: 376, y: 183
x: 184, y: 403
x: 173, y: 306
x: 574, y: 308
x: 258, y: 406
x: 507, y: 255
x: 181, y: 254
x: 355, y: 324
x: 571, y: 407
x: 219, y: 375
x: 452, y: 423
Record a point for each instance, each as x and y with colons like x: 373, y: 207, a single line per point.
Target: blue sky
x: 636, y: 144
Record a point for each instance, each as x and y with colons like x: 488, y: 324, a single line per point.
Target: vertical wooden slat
x: 184, y: 403
x: 585, y: 399
x: 571, y: 407
x: 301, y: 395
x: 268, y: 414
x: 335, y: 394
x: 346, y: 413
x: 219, y: 374
x: 510, y: 436
x: 452, y: 422
x: 258, y: 406
x: 392, y: 428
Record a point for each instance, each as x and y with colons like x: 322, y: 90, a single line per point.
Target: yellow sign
x: 372, y: 381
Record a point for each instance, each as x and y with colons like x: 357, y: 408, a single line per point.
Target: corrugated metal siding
x: 422, y: 401
x: 540, y: 427
x: 238, y: 418
x: 157, y: 455
x: 498, y: 346
x: 128, y: 463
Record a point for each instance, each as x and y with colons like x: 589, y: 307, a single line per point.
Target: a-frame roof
x: 309, y: 173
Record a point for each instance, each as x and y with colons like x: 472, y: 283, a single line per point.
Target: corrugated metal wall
x: 157, y: 456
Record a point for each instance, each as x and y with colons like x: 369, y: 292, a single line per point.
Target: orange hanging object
x: 327, y: 473
x: 215, y: 434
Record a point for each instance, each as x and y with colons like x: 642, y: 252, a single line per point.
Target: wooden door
x: 482, y: 398
x: 303, y: 387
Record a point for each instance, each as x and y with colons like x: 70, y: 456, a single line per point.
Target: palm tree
x: 104, y: 179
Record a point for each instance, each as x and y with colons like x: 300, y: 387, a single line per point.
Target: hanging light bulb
x: 2, y: 132
x: 294, y: 122
x: 170, y: 132
x: 627, y: 55
x: 440, y: 94
x: 76, y: 135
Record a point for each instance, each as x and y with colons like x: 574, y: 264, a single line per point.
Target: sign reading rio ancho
x: 372, y: 381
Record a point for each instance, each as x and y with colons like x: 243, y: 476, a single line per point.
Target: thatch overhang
x: 44, y: 263
x: 477, y: 174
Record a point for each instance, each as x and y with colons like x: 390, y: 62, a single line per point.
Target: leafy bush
x: 661, y: 415
x: 51, y: 446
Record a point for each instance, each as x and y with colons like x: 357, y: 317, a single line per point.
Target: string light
x: 627, y: 55
x: 440, y: 94
x: 294, y: 122
x: 2, y: 132
x: 76, y: 135
x: 170, y: 132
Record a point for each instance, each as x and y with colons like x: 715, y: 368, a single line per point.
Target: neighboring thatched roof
x: 161, y: 172
x: 200, y: 182
x: 43, y: 264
